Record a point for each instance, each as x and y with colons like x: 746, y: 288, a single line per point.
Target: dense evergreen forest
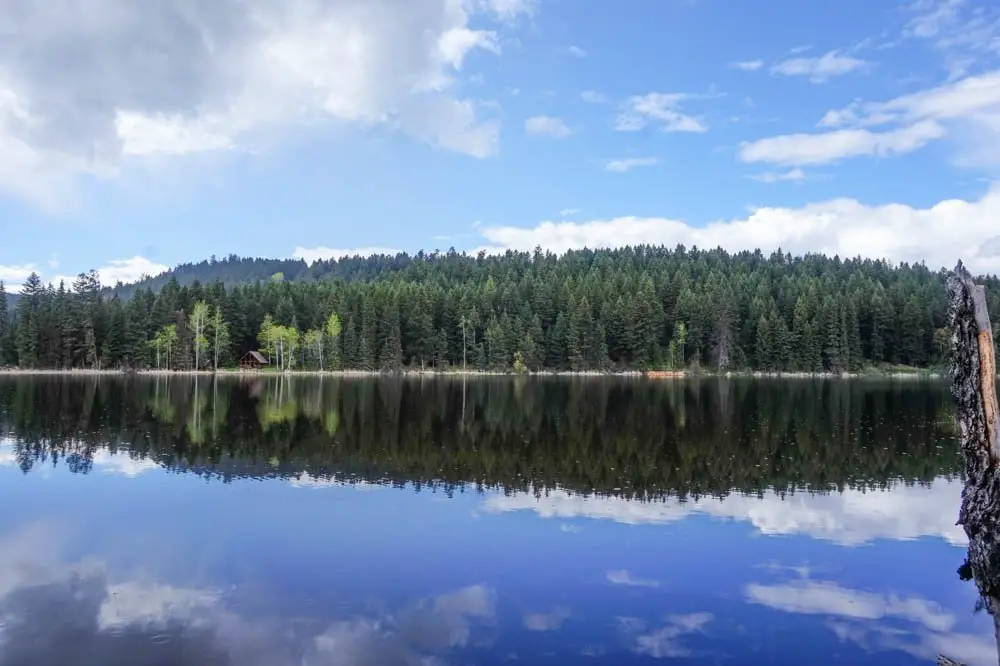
x: 632, y: 308
x: 628, y: 438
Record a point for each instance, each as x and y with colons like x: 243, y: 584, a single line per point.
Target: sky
x: 137, y: 136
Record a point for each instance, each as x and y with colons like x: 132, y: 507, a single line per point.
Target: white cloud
x: 623, y: 577
x: 749, y: 65
x: 664, y: 643
x: 567, y: 212
x: 115, y: 81
x: 827, y: 147
x: 920, y: 627
x: 129, y: 270
x: 96, y: 604
x: 967, y: 34
x: 510, y: 9
x: 576, y: 51
x: 13, y: 275
x: 795, y: 174
x: 938, y: 235
x: 968, y: 108
x: 160, y: 134
x: 550, y: 126
x: 819, y: 69
x: 628, y: 163
x: 122, y: 464
x: 592, y: 97
x: 109, y: 463
x: 546, y: 621
x: 306, y: 480
x: 815, y: 597
x: 7, y: 457
x: 145, y: 604
x: 657, y: 109
x: 932, y: 17
x: 321, y: 253
x: 123, y: 270
x: 850, y: 518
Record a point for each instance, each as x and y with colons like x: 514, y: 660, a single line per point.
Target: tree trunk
x: 974, y: 380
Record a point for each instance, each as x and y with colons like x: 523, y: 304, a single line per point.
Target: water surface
x: 318, y: 522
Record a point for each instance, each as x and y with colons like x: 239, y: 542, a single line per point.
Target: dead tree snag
x: 974, y: 378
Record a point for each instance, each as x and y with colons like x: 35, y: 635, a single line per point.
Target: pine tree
x: 833, y: 333
x: 6, y: 348
x: 391, y: 355
x: 441, y: 350
x: 28, y: 324
x: 765, y: 345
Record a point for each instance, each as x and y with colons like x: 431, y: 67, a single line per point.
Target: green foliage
x: 198, y: 324
x: 519, y: 366
x: 632, y: 308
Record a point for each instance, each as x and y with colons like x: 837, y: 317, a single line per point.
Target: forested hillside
x: 632, y: 308
x: 230, y: 271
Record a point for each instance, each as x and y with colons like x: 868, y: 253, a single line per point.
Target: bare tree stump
x: 974, y: 378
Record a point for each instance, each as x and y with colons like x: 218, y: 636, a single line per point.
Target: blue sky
x: 132, y: 138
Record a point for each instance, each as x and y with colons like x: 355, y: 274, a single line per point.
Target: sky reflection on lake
x: 134, y: 557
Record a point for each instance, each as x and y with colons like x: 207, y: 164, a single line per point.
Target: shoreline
x: 652, y: 375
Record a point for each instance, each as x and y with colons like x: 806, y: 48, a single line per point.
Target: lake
x: 309, y: 522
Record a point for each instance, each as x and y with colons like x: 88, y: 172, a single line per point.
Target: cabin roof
x: 256, y: 356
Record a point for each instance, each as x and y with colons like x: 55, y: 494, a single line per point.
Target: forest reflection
x: 627, y: 438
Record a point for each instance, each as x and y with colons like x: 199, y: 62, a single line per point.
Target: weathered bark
x: 973, y: 372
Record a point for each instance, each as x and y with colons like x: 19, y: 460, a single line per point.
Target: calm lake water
x: 313, y: 522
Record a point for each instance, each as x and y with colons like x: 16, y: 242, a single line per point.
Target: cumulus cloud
x: 660, y: 110
x: 623, y: 577
x: 664, y: 642
x: 920, y: 627
x: 827, y: 147
x: 117, y: 270
x: 84, y: 85
x: 819, y: 69
x: 129, y: 270
x: 121, y: 464
x: 321, y: 253
x: 592, y: 97
x: 816, y: 597
x: 748, y: 65
x: 550, y: 621
x: 550, y: 126
x: 795, y: 174
x: 850, y: 518
x: 938, y: 235
x: 119, y: 620
x: 628, y: 163
x: 967, y: 109
x: 13, y: 275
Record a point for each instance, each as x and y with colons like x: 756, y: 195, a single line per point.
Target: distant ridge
x: 230, y: 270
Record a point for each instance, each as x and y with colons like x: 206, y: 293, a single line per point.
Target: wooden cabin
x: 253, y: 360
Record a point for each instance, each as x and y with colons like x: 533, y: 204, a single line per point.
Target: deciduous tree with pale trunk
x: 198, y: 322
